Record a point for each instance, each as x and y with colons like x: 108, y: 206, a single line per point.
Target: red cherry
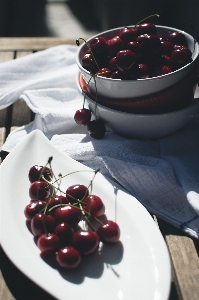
x: 88, y: 63
x: 42, y: 223
x: 112, y: 64
x: 150, y: 42
x: 135, y: 47
x: 96, y: 129
x: 117, y: 75
x: 64, y: 231
x: 94, y: 205
x: 143, y: 71
x: 48, y: 243
x: 39, y: 190
x: 98, y: 45
x: 68, y: 258
x: 104, y: 72
x: 177, y: 38
x: 36, y: 172
x: 163, y: 70
x: 82, y: 116
x: 68, y: 214
x: 114, y: 45
x: 166, y: 48
x: 125, y: 59
x: 86, y: 242
x: 128, y: 34
x: 57, y: 200
x: 182, y: 54
x: 146, y: 28
x: 77, y: 192
x: 33, y: 208
x: 109, y: 232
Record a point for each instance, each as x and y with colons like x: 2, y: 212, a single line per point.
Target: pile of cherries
x: 136, y: 53
x: 54, y: 216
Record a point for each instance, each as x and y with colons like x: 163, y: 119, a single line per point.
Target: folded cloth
x: 162, y: 174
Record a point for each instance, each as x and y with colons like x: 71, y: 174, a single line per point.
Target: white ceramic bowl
x: 116, y: 88
x: 143, y: 126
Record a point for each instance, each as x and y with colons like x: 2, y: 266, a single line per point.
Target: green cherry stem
x: 154, y: 15
x: 87, y: 44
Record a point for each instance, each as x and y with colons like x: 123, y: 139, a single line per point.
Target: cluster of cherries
x: 54, y: 218
x: 134, y: 53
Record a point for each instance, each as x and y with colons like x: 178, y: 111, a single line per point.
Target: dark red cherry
x: 104, y: 72
x: 94, y: 205
x: 89, y: 63
x: 177, y: 38
x: 57, y: 200
x: 150, y: 42
x: 143, y: 71
x: 114, y: 45
x: 125, y: 59
x: 146, y: 28
x: 36, y: 172
x: 98, y: 45
x: 117, y: 75
x: 182, y: 54
x: 112, y: 64
x: 64, y: 231
x: 33, y: 208
x: 40, y: 190
x: 68, y: 258
x: 96, y: 129
x: 128, y: 34
x: 77, y: 192
x: 86, y: 242
x: 67, y: 214
x: 48, y: 243
x: 135, y: 47
x: 82, y: 116
x: 162, y: 70
x: 166, y: 48
x: 42, y: 223
x: 109, y: 232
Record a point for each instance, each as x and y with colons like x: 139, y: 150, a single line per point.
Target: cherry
x: 42, y: 223
x: 68, y: 214
x: 68, y: 258
x: 166, y: 48
x: 89, y: 63
x: 86, y: 242
x: 64, y: 231
x: 77, y: 192
x: 150, y: 42
x: 94, y: 205
x: 40, y: 190
x: 82, y: 116
x: 177, y: 38
x: 36, y: 172
x: 96, y: 129
x: 143, y: 71
x: 48, y: 243
x: 98, y: 45
x: 125, y: 59
x: 57, y: 200
x: 104, y: 72
x: 109, y: 232
x: 135, y: 47
x: 112, y: 64
x: 146, y: 27
x: 114, y: 45
x: 33, y: 208
x: 117, y: 75
x: 128, y: 34
x: 181, y: 54
x: 160, y: 71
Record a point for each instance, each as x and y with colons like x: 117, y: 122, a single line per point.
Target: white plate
x: 137, y: 268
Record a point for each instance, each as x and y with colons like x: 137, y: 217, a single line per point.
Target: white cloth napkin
x: 162, y: 174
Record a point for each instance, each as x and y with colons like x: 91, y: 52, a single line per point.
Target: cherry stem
x: 87, y: 44
x: 154, y: 15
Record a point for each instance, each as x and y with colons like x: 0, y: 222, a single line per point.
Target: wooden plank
x: 5, y: 56
x: 32, y: 43
x: 185, y: 261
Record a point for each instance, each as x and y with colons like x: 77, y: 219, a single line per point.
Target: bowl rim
x: 196, y: 54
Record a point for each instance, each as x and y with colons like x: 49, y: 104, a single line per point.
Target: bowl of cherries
x: 136, y: 62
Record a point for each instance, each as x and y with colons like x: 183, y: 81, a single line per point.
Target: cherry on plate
x: 94, y: 205
x: 86, y: 242
x: 68, y: 258
x: 40, y: 190
x: 42, y: 223
x: 48, y: 243
x: 33, y: 208
x: 68, y: 214
x: 76, y: 192
x: 36, y: 172
x: 109, y: 232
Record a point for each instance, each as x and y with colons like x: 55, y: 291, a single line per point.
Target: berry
x: 33, y: 208
x: 94, y: 205
x: 36, y: 172
x: 86, y: 242
x: 146, y: 28
x: 104, y: 72
x: 64, y: 231
x: 98, y: 45
x: 125, y: 59
x: 82, y: 116
x: 68, y: 214
x: 177, y: 38
x: 128, y: 34
x: 48, y: 243
x: 109, y: 232
x: 40, y: 190
x: 42, y: 223
x: 77, y: 192
x: 96, y: 129
x: 114, y: 45
x: 68, y: 258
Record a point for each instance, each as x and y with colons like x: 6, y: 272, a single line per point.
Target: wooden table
x: 13, y: 284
